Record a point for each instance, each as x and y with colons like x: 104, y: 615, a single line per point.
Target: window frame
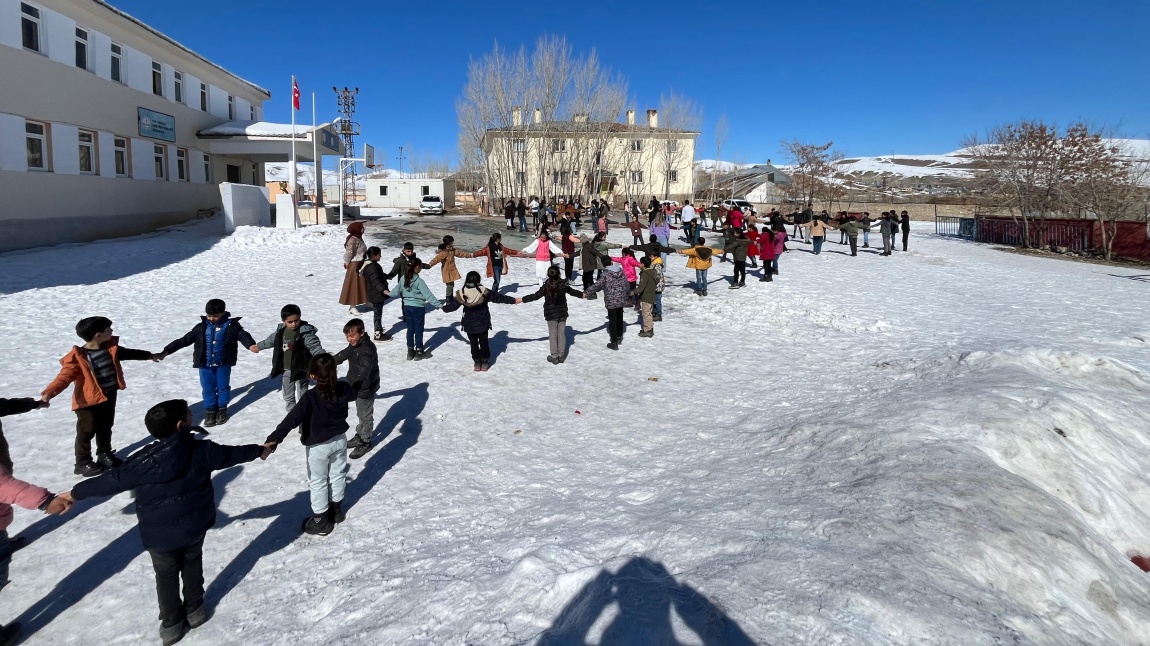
x: 231, y: 108
x: 383, y: 190
x: 203, y: 97
x: 518, y: 145
x: 178, y: 91
x: 160, y: 159
x: 38, y: 22
x: 116, y: 66
x: 157, y: 78
x: 84, y: 48
x: 42, y: 137
x: 182, y: 173
x: 558, y: 145
x: 636, y: 145
x: 636, y: 177
x: 122, y: 155
x: 93, y: 152
x: 207, y: 168
x: 520, y: 178
x: 673, y: 176
x: 252, y: 110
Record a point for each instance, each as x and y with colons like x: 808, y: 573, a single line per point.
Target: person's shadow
x: 109, y: 561
x: 242, y: 397
x: 289, y: 514
x: 645, y: 593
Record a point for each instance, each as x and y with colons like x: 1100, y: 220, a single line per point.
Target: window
x: 519, y: 145
x: 160, y: 154
x: 520, y: 179
x: 36, y: 135
x: 231, y: 107
x: 81, y: 48
x: 598, y: 157
x: 179, y: 87
x: 560, y: 177
x: 636, y: 177
x: 204, y: 97
x: 117, y: 63
x: 558, y: 145
x: 207, y: 168
x: 181, y: 164
x: 673, y: 176
x: 120, y: 145
x: 383, y: 191
x: 157, y: 79
x: 255, y: 175
x: 30, y: 27
x: 253, y: 111
x: 636, y: 145
x: 87, y: 152
x: 426, y: 190
x: 672, y: 145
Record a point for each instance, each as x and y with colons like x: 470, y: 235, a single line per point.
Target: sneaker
x: 614, y: 345
x: 704, y: 292
x: 335, y: 512
x: 420, y: 355
x: 353, y: 311
x: 478, y: 366
x: 378, y: 335
x: 209, y: 418
x: 222, y: 416
x: 410, y: 354
x: 89, y: 469
x: 733, y: 286
x: 742, y: 284
x: 647, y: 334
x: 108, y: 460
x: 552, y: 360
x: 10, y: 634
x: 354, y: 442
x: 560, y: 359
x: 198, y: 617
x: 485, y: 367
x: 657, y: 318
x: 385, y: 337
x: 172, y: 634
x: 360, y: 450
x: 317, y: 525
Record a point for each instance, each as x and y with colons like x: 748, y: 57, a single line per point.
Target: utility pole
x: 400, y: 158
x: 348, y: 131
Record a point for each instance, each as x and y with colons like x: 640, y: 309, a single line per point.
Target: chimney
x: 538, y: 115
x: 653, y: 118
x: 580, y: 117
x: 516, y: 116
x: 630, y: 117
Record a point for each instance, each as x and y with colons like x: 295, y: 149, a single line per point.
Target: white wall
x: 13, y: 152
x: 245, y: 205
x: 59, y: 34
x: 10, y: 23
x: 65, y: 149
x: 143, y: 164
x: 107, y: 153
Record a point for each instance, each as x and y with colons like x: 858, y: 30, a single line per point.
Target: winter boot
x: 318, y: 525
x: 9, y: 634
x: 108, y: 460
x: 552, y: 360
x: 657, y: 318
x: 222, y: 416
x: 360, y: 450
x: 420, y: 355
x: 335, y: 512
x: 354, y: 442
x: 484, y: 367
x: 198, y: 617
x: 478, y: 366
x: 410, y: 354
x: 172, y: 634
x: 614, y: 344
x: 89, y: 469
x: 209, y: 418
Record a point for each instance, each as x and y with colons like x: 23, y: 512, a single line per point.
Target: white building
x: 406, y: 193
x: 102, y: 124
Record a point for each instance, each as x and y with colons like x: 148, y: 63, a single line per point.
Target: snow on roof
x: 154, y: 32
x: 258, y: 129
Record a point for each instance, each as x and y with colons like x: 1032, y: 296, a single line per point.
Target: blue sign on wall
x: 157, y: 125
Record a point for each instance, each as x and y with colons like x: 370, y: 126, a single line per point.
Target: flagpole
x: 292, y: 186
x: 317, y: 168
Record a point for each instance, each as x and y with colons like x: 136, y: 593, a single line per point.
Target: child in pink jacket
x: 630, y: 266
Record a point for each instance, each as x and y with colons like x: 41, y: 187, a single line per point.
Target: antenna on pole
x: 400, y: 159
x: 348, y: 131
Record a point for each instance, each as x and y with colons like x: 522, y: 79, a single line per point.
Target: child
x: 95, y: 368
x: 636, y: 228
x: 416, y: 296
x: 447, y: 255
x: 497, y: 255
x: 544, y: 250
x: 362, y: 373
x: 377, y: 291
x: 293, y: 344
x: 215, y: 339
x: 474, y: 298
x: 554, y: 294
x: 767, y: 251
x: 700, y: 261
x: 322, y: 419
x: 646, y: 293
x: 171, y: 481
x: 616, y: 296
x: 738, y: 248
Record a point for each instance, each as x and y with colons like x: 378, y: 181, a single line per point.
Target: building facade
x: 100, y: 122
x: 581, y: 159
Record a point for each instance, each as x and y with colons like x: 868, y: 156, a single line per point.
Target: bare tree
x: 676, y: 114
x: 812, y: 171
x: 1104, y: 180
x: 722, y: 131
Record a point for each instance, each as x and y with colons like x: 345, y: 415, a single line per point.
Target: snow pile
x: 260, y: 129
x: 868, y: 450
x: 718, y: 166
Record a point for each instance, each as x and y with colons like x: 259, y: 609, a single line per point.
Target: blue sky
x: 874, y: 77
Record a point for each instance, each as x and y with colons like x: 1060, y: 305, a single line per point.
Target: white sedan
x: 431, y: 205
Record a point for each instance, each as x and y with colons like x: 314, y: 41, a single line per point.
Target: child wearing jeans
x: 95, y: 369
x: 416, y: 296
x: 293, y: 344
x: 215, y: 339
x: 171, y: 480
x: 321, y: 416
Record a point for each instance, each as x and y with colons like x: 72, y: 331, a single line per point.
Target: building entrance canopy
x: 262, y: 141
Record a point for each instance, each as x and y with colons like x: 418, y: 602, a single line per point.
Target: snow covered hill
x: 935, y: 456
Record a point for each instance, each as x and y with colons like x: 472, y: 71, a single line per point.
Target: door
x: 233, y: 174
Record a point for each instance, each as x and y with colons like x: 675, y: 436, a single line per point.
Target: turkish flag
x: 294, y: 94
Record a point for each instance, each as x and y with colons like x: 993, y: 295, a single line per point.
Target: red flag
x: 294, y: 94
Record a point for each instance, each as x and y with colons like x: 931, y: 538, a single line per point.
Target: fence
x: 1076, y: 235
x: 945, y: 225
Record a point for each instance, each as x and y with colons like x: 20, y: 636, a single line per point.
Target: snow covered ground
x: 950, y: 445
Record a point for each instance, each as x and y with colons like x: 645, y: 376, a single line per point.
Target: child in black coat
x: 554, y: 293
x: 377, y: 290
x: 363, y: 375
x: 171, y: 480
x: 474, y: 299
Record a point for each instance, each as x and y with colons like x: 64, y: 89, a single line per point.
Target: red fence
x: 1132, y: 239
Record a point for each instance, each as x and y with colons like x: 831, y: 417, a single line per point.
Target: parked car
x: 742, y: 205
x: 431, y: 205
